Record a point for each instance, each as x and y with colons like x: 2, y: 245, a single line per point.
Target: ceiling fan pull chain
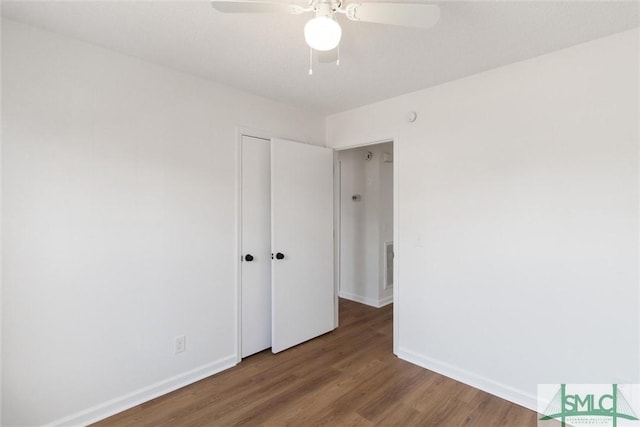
x: 338, y: 60
x: 310, y: 61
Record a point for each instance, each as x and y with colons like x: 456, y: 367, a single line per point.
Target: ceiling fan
x: 323, y: 33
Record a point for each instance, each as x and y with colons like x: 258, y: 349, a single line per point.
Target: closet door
x: 302, y: 291
x: 256, y: 246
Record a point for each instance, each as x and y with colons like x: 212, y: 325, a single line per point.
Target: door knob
x: 279, y: 255
x: 248, y: 257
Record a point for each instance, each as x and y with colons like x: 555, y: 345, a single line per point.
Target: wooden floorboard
x: 348, y: 377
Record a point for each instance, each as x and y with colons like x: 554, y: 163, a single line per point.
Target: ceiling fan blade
x: 404, y: 14
x: 248, y: 6
x: 326, y: 56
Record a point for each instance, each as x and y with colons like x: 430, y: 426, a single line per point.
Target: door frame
x: 240, y: 133
x: 338, y: 227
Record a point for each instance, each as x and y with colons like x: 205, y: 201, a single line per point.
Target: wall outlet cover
x: 181, y: 344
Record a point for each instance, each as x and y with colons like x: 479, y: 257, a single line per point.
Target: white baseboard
x: 385, y: 301
x: 503, y: 391
x: 119, y: 404
x: 364, y: 300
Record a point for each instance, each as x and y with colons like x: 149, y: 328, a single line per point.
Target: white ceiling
x: 266, y: 54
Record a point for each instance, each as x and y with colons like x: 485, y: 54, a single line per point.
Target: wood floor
x: 348, y: 377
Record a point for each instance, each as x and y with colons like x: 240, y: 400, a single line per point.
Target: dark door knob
x: 279, y: 255
x: 248, y: 257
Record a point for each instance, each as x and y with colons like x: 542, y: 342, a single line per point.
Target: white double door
x: 287, y: 291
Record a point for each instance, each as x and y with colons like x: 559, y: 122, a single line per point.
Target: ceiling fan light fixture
x: 322, y: 33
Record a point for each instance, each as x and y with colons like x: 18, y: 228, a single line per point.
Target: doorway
x: 365, y: 215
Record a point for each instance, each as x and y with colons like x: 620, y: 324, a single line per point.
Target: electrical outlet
x: 181, y: 344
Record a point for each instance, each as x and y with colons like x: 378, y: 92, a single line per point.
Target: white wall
x: 518, y: 219
x: 365, y: 224
x: 119, y: 187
